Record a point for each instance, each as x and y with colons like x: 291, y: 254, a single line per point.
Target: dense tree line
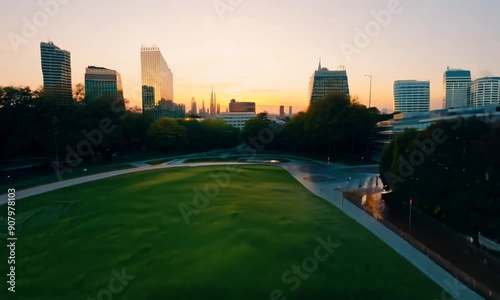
x: 191, y: 135
x: 451, y: 172
x: 335, y: 126
x: 30, y: 127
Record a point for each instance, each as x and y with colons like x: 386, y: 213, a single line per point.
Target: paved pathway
x: 321, y: 180
x: 326, y: 190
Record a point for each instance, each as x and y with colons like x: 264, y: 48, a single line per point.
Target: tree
x: 79, y: 92
x: 446, y: 170
x: 340, y: 125
x: 218, y: 134
x: 196, y: 138
x: 294, y: 136
x: 166, y: 135
x: 254, y: 127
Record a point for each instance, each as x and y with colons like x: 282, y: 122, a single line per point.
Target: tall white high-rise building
x: 456, y: 85
x: 156, y: 73
x: 485, y: 91
x: 411, y: 96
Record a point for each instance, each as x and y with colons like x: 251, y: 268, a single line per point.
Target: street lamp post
x: 341, y: 196
x: 370, y: 101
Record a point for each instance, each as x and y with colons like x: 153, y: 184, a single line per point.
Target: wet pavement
x: 362, y: 187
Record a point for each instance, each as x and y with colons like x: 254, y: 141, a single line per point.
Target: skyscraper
x: 194, y: 109
x: 101, y: 81
x: 485, y: 91
x: 325, y: 82
x: 411, y: 96
x: 156, y: 73
x: 211, y: 108
x: 213, y: 104
x: 456, y: 85
x: 148, y: 98
x: 282, y: 111
x: 56, y: 69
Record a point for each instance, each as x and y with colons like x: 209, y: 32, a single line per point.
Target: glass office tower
x: 156, y: 73
x: 56, y: 69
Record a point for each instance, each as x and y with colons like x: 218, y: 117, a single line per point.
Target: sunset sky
x: 257, y: 50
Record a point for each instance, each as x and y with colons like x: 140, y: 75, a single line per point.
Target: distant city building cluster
x: 157, y: 81
x: 157, y: 87
x: 463, y: 97
x: 168, y: 109
x: 413, y: 96
x: 458, y: 87
x: 410, y: 96
x: 56, y: 69
x: 461, y: 91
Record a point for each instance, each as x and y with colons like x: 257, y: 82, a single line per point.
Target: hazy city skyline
x: 254, y: 50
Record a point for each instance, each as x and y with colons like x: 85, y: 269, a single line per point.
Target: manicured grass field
x: 239, y: 245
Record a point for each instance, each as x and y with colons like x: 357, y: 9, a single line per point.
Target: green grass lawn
x: 237, y: 247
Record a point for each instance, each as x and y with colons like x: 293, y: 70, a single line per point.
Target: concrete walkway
x: 326, y: 190
x: 303, y: 171
x: 22, y: 194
